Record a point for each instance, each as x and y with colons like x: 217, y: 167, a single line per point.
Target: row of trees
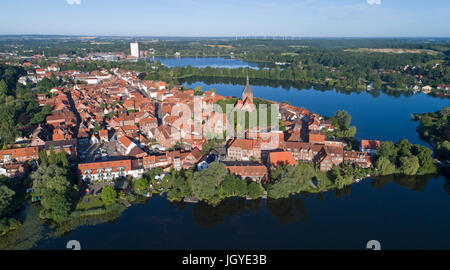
x: 18, y: 106
x: 53, y: 186
x: 404, y: 157
x: 435, y: 128
x: 211, y: 185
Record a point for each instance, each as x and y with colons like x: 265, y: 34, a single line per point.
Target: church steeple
x: 247, y: 94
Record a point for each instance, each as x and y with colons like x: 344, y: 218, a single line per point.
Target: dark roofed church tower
x: 247, y: 94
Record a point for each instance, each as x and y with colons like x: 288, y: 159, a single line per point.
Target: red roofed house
x: 251, y: 170
x: 111, y: 169
x: 281, y: 158
x: 19, y: 154
x: 244, y: 149
x: 103, y: 134
x: 147, y: 125
x: 167, y: 136
x: 316, y: 137
x: 370, y: 146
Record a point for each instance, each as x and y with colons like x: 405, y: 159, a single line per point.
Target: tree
x: 425, y: 160
x: 51, y: 185
x: 43, y: 158
x: 403, y: 147
x: 49, y: 177
x: 52, y: 156
x: 61, y: 158
x: 3, y: 88
x: 409, y: 165
x: 343, y: 118
x: 387, y: 149
x: 205, y: 183
x: 384, y: 166
x: 109, y: 195
x: 254, y: 190
x: 234, y: 186
x: 6, y: 197
x: 141, y: 185
x: 56, y: 206
x: 296, y: 178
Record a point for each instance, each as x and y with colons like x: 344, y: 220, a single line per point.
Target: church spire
x: 247, y: 94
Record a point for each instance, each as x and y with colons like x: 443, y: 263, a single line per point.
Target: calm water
x: 405, y: 214
x: 202, y: 62
x: 402, y: 212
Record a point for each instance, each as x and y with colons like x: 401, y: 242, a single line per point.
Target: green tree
x: 52, y: 156
x: 388, y: 150
x: 234, y: 186
x: 43, y: 158
x: 56, y: 206
x: 141, y: 186
x: 254, y: 190
x: 296, y: 178
x: 409, y: 165
x: 205, y: 183
x: 384, y: 166
x: 403, y: 147
x: 3, y: 88
x: 6, y: 197
x: 109, y: 195
x: 343, y: 118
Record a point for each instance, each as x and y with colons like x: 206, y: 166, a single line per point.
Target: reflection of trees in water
x: 207, y: 215
x: 288, y: 210
x: 285, y: 84
x: 339, y: 193
x: 381, y: 181
x: 447, y: 185
x: 413, y: 182
x: 320, y: 197
x: 28, y: 234
x: 181, y: 206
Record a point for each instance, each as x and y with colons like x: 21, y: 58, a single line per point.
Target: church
x: 246, y: 103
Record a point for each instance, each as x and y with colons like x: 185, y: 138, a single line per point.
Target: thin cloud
x: 374, y: 2
x: 73, y: 2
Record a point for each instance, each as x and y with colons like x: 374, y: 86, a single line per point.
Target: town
x: 113, y: 124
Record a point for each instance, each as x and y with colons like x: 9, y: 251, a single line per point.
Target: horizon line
x: 231, y: 36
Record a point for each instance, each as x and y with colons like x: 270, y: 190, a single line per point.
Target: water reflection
x: 207, y: 215
x: 288, y: 210
x: 287, y: 85
x: 414, y: 182
x: 277, y: 215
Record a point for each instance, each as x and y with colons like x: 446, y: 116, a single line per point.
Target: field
x: 390, y: 50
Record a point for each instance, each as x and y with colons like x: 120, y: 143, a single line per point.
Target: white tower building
x: 134, y: 49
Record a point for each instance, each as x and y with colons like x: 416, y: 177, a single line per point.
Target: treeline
x: 405, y: 158
x: 11, y: 200
x: 435, y: 128
x: 354, y: 78
x: 18, y: 106
x: 54, y: 186
x: 211, y: 185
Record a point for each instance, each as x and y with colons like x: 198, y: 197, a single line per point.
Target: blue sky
x: 310, y: 18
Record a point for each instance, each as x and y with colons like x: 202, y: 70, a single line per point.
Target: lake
x: 202, y: 62
x: 400, y: 212
x: 404, y: 213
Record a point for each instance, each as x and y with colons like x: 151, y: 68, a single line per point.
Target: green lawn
x: 94, y: 202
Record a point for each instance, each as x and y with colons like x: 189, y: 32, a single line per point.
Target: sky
x: 299, y: 18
